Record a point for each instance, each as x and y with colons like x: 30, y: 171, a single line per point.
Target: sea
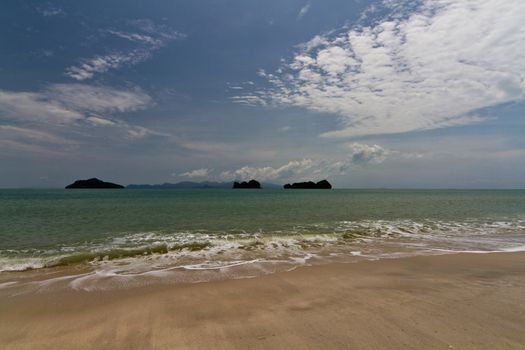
x: 105, y: 239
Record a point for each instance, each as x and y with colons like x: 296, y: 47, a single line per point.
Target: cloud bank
x: 99, y: 99
x: 358, y: 154
x: 30, y: 121
x: 66, y: 103
x: 428, y: 65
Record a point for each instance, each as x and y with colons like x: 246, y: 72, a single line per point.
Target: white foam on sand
x: 502, y: 250
x: 217, y: 266
x: 7, y: 284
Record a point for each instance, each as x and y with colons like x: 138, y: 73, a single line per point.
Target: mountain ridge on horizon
x: 195, y: 185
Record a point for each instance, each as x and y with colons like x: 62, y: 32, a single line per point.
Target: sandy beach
x: 462, y: 301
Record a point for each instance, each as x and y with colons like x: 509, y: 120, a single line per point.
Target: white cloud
x: 14, y: 139
x: 425, y: 66
x: 152, y: 38
x: 35, y: 106
x: 249, y: 100
x: 303, y: 11
x: 99, y: 98
x: 131, y: 131
x: 158, y: 30
x: 361, y: 153
x: 139, y: 132
x: 68, y: 103
x: 18, y: 133
x: 98, y: 121
x: 212, y: 147
x: 103, y: 63
x: 50, y: 11
x: 35, y: 121
x: 140, y: 38
x: 308, y: 169
x: 196, y: 173
x: 288, y: 170
x: 47, y: 53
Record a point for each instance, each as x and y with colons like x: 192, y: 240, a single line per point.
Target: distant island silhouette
x: 182, y: 185
x: 194, y: 185
x: 249, y: 184
x: 93, y: 183
x: 321, y: 185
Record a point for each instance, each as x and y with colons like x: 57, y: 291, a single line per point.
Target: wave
x: 21, y: 264
x: 370, y: 238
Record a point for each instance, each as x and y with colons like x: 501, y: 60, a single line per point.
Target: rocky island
x: 93, y: 183
x: 321, y: 185
x: 249, y: 184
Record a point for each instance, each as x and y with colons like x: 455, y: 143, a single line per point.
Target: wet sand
x: 463, y: 301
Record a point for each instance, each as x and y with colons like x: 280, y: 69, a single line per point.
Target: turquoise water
x: 148, y: 230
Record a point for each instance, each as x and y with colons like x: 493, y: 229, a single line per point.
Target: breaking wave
x: 502, y: 235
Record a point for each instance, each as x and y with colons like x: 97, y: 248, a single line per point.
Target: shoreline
x: 466, y: 301
x: 116, y: 276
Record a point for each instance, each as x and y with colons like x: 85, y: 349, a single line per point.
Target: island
x: 310, y: 185
x: 93, y: 183
x: 249, y: 184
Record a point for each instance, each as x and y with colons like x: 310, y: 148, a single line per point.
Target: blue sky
x: 385, y: 93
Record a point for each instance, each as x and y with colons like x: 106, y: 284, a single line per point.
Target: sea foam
x: 135, y: 259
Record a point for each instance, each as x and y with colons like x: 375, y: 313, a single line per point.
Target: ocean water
x: 97, y: 239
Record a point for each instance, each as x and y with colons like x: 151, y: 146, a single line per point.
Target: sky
x: 366, y: 94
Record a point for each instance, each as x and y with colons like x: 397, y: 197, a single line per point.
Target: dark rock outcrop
x: 310, y: 185
x: 249, y: 184
x: 93, y: 183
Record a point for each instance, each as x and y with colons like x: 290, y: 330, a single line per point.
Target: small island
x: 249, y: 184
x: 310, y: 185
x: 93, y: 183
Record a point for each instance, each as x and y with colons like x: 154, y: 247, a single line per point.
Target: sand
x: 463, y: 301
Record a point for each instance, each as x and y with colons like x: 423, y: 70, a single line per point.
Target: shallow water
x: 115, y: 238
